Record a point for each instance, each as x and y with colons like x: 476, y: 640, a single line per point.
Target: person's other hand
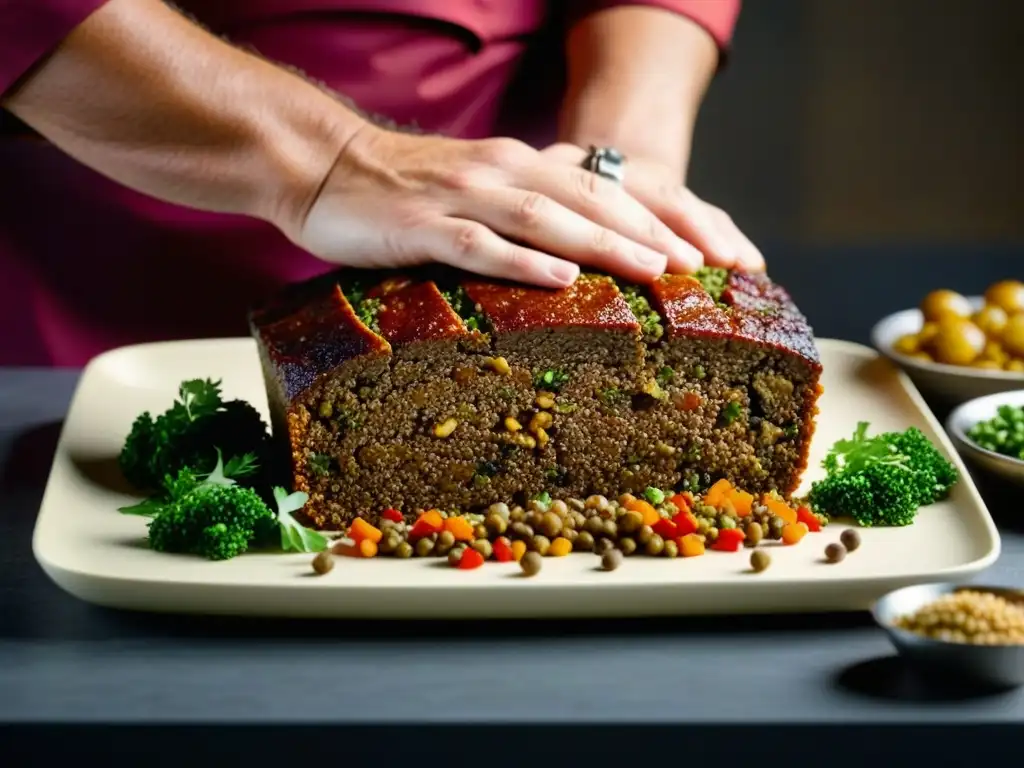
x: 496, y: 207
x: 658, y: 188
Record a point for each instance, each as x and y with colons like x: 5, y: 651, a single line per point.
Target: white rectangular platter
x: 99, y: 555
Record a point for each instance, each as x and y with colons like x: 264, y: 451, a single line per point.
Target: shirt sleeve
x: 717, y: 17
x: 31, y: 29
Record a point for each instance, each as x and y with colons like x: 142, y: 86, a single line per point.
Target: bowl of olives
x: 955, y: 347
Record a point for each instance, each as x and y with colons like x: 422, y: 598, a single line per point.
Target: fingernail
x: 564, y: 272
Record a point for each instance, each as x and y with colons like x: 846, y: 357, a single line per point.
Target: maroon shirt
x: 87, y: 265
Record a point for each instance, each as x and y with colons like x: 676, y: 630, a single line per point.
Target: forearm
x: 146, y: 97
x: 636, y: 79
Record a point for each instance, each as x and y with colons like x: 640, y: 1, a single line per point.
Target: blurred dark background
x: 877, y: 136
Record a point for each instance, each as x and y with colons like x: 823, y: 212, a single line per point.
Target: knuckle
x: 605, y: 243
x: 505, y: 153
x: 458, y: 179
x: 468, y: 240
x: 530, y: 209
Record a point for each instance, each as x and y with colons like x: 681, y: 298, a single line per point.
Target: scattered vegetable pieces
x: 1003, y: 433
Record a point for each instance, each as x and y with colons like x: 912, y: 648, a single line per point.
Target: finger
x: 471, y: 246
x: 608, y: 205
x: 539, y: 221
x: 691, y: 218
x: 747, y: 254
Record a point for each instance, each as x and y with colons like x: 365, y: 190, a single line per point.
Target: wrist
x: 637, y: 124
x: 299, y: 149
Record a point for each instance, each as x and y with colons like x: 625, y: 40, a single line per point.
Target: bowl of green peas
x: 989, y: 431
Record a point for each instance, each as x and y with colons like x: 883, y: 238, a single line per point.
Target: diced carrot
x: 805, y: 516
x: 792, y: 533
x: 665, y: 528
x: 460, y: 528
x: 518, y: 549
x: 649, y: 513
x: 560, y: 547
x: 682, y: 502
x: 779, y: 509
x: 685, y: 523
x: 360, y: 531
x: 729, y: 540
x: 742, y: 502
x: 367, y: 548
x: 718, y: 493
x: 690, y: 545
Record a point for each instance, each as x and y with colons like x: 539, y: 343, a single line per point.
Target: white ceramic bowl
x: 970, y: 413
x: 950, y: 384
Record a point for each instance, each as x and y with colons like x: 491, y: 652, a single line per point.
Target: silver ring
x: 607, y: 162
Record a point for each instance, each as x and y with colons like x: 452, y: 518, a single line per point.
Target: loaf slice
x: 435, y: 388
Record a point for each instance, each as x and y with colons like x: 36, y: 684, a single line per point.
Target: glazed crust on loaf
x: 439, y: 389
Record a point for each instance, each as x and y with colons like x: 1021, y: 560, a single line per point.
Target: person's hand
x: 658, y: 188
x: 496, y: 207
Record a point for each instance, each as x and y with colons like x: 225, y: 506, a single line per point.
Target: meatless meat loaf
x: 442, y: 389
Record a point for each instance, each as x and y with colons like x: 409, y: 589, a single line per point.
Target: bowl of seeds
x: 972, y: 632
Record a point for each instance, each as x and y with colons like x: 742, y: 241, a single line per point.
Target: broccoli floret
x: 189, y: 434
x: 934, y: 473
x: 216, y: 521
x: 882, y: 480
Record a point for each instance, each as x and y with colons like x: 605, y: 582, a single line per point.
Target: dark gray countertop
x: 65, y: 661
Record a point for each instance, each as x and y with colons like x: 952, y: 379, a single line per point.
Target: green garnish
x: 792, y: 430
x: 551, y: 380
x: 320, y: 463
x: 699, y: 372
x: 368, y: 311
x: 714, y: 280
x: 882, y: 480
x: 471, y: 314
x: 611, y: 395
x: 543, y: 497
x: 566, y: 406
x: 665, y: 376
x: 294, y: 535
x: 190, y: 434
x: 731, y: 412
x: 1003, y: 433
x: 650, y: 321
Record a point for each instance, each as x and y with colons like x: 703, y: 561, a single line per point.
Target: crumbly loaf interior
x: 460, y: 424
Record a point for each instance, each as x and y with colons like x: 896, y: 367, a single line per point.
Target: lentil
x: 611, y: 559
x: 539, y: 544
x: 850, y: 539
x: 531, y: 563
x: 754, y: 535
x: 603, y: 545
x: 551, y: 525
x: 403, y: 550
x: 323, y: 563
x: 835, y: 553
x: 584, y: 541
x: 655, y: 545
x: 671, y: 549
x: 627, y: 545
x: 484, y: 547
x: 760, y: 560
x: 424, y: 547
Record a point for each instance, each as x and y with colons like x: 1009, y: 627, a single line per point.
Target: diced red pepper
x: 503, y: 550
x: 729, y: 540
x: 470, y: 559
x: 429, y: 522
x: 805, y: 516
x: 391, y: 514
x: 685, y: 523
x: 665, y: 528
x: 681, y: 502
